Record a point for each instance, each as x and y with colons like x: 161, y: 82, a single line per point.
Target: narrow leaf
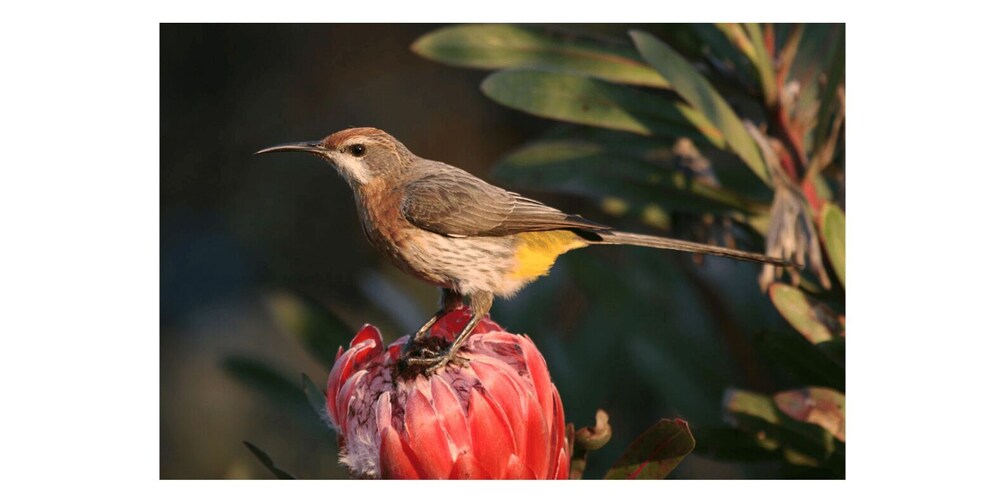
x: 735, y: 445
x: 655, y: 453
x: 582, y: 100
x: 598, y: 170
x: 811, y: 318
x: 788, y: 53
x: 316, y: 399
x: 739, y: 38
x: 263, y: 378
x: 832, y: 60
x: 832, y: 233
x: 501, y: 46
x: 835, y: 349
x: 763, y: 62
x: 698, y: 92
x: 311, y: 324
x: 802, y: 359
x: 267, y: 462
x: 724, y: 55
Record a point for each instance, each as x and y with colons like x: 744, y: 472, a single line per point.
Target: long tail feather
x: 652, y: 241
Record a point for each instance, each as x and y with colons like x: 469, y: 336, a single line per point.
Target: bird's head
x: 361, y: 155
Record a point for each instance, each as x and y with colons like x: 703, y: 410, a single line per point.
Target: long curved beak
x: 303, y: 146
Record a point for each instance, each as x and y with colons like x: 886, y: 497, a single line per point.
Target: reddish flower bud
x: 499, y: 417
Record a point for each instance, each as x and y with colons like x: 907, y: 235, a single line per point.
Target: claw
x: 444, y: 361
x: 437, y: 362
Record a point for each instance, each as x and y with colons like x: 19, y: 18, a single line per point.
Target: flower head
x: 497, y: 417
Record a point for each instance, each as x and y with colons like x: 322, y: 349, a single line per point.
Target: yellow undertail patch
x: 536, y: 252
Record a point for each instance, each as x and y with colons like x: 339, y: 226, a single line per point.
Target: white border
x: 79, y: 209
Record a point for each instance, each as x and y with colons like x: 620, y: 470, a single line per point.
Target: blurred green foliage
x: 728, y: 133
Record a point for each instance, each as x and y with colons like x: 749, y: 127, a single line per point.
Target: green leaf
x: 835, y: 349
x: 762, y: 61
x: 827, y: 50
x: 789, y: 48
x: 267, y: 462
x: 739, y: 37
x: 583, y: 100
x: 734, y: 445
x: 263, y: 378
x: 725, y: 56
x: 655, y: 453
x: 500, y: 46
x: 804, y: 360
x: 316, y: 398
x: 801, y: 443
x: 811, y: 318
x: 816, y: 405
x: 311, y: 324
x: 698, y: 92
x: 602, y: 171
x: 832, y: 233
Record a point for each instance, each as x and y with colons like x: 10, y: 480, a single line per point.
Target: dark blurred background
x: 641, y: 333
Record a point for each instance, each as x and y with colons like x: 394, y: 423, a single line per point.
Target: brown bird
x: 451, y: 229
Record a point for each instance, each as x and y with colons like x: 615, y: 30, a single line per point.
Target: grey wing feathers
x: 455, y: 203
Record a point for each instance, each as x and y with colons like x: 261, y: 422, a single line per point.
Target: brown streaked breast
x: 385, y: 228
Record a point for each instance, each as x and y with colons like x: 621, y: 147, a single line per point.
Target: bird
x: 460, y: 233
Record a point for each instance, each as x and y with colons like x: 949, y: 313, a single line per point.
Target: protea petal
x: 335, y: 384
x: 397, y: 460
x: 342, y: 399
x: 487, y: 326
x: 383, y: 411
x: 452, y: 416
x: 466, y: 467
x: 450, y: 324
x: 503, y: 393
x: 368, y: 332
x: 491, y: 438
x: 562, y: 467
x: 350, y: 362
x: 422, y: 427
x: 558, y: 437
x: 538, y: 444
x: 516, y: 469
x: 394, y: 350
x: 539, y: 376
x: 363, y: 352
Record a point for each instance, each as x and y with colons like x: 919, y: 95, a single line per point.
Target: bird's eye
x: 357, y: 150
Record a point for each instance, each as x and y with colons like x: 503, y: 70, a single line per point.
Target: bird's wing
x: 456, y: 203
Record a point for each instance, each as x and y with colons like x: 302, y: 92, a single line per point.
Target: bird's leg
x: 481, y: 303
x: 449, y: 300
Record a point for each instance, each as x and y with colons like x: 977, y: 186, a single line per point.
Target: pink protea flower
x: 500, y: 417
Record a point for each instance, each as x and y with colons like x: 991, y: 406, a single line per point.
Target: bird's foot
x: 426, y: 353
x: 431, y: 362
